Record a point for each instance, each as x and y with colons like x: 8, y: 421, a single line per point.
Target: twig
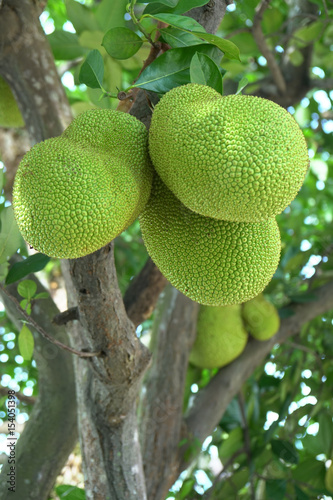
x: 219, y: 477
x: 264, y: 49
x: 241, y: 402
x: 22, y: 397
x: 40, y: 330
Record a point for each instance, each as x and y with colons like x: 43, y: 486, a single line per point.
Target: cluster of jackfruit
x: 222, y: 332
x: 75, y: 193
x: 226, y: 166
x: 223, y: 168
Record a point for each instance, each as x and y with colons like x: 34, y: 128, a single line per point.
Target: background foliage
x: 276, y: 439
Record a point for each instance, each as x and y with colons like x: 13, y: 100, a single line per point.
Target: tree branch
x: 51, y: 432
x: 264, y: 49
x: 173, y: 335
x: 141, y: 296
x: 107, y: 388
x: 212, y: 401
x: 41, y: 331
x: 29, y: 400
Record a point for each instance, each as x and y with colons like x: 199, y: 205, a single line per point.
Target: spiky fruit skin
x: 221, y: 336
x: 248, y: 153
x: 10, y: 115
x: 73, y: 194
x: 261, y: 318
x: 211, y: 261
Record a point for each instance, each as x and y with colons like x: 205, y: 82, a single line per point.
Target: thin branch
x: 208, y: 494
x: 22, y: 397
x: 40, y: 330
x: 246, y: 431
x: 264, y: 49
x: 141, y: 296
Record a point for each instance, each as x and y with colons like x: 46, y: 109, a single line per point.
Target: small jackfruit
x: 211, y: 261
x: 74, y: 193
x: 238, y: 157
x: 10, y: 115
x: 261, y: 318
x: 329, y: 478
x: 221, y: 336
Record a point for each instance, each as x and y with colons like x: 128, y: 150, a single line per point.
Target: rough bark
x: 51, y: 432
x: 108, y: 386
x: 173, y: 335
x: 27, y: 63
x: 212, y: 401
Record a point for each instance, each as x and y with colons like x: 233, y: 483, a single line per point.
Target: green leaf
x: 180, y: 8
x: 65, y: 45
x: 81, y: 16
x: 92, y: 70
x: 169, y: 3
x: 308, y: 34
x: 110, y: 14
x: 31, y: 264
x: 310, y: 471
x: 276, y: 489
x: 42, y: 295
x: 27, y: 289
x: 69, y: 492
x: 121, y: 43
x: 295, y: 56
x: 186, y: 5
x: 1, y: 179
x: 285, y: 451
x: 10, y: 236
x: 233, y: 442
x: 177, y: 38
x: 230, y: 50
x: 303, y: 297
x: 26, y: 305
x: 300, y: 495
x: 186, y: 489
x: 172, y: 68
x: 180, y: 22
x: 26, y: 343
x: 242, y: 84
x: 204, y: 71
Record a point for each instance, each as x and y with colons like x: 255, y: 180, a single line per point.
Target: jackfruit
x: 221, y: 336
x: 261, y: 318
x: 211, y: 261
x: 238, y: 158
x: 74, y: 193
x: 10, y: 115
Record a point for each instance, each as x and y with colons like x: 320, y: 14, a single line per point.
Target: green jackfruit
x: 10, y: 115
x: 74, y: 193
x: 261, y: 318
x: 238, y: 158
x: 221, y: 336
x: 211, y: 261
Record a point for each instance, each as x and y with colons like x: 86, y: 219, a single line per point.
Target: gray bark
x: 51, y: 432
x: 108, y: 386
x: 162, y: 406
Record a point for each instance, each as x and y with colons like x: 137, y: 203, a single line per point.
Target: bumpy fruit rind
x: 74, y: 193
